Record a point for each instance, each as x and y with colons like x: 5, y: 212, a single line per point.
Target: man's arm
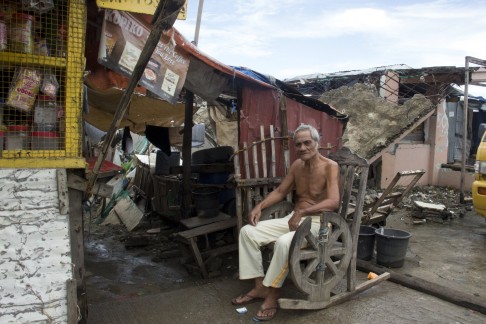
x: 274, y: 197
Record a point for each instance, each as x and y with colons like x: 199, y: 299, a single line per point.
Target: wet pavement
x: 137, y: 285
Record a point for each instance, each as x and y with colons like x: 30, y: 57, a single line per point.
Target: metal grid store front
x: 41, y: 71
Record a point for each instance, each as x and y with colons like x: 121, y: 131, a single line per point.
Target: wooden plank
x: 197, y: 255
x: 62, y: 191
x: 448, y: 294
x: 287, y: 303
x: 72, y: 304
x: 128, y: 212
x: 210, y: 228
x: 200, y: 221
x: 80, y: 183
x: 239, y: 192
x: 76, y: 234
x: 219, y: 250
x: 259, y: 182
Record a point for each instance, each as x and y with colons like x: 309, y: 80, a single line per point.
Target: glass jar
x: 45, y: 114
x: 21, y: 33
x: 17, y: 137
x: 3, y: 33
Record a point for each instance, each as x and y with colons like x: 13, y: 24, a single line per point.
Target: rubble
x: 430, y: 203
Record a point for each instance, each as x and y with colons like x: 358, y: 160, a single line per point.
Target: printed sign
x: 122, y: 40
x: 139, y: 6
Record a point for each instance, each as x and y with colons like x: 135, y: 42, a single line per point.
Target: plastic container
x: 45, y: 140
x: 207, y: 202
x: 21, y: 33
x: 17, y: 137
x: 366, y: 242
x: 3, y: 33
x: 391, y: 247
x: 45, y: 114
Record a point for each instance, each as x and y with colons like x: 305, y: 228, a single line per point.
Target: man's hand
x: 255, y: 215
x: 294, y: 221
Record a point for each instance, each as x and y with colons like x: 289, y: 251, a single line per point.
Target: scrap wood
x: 128, y: 212
x: 445, y: 293
x: 111, y: 219
x: 430, y: 207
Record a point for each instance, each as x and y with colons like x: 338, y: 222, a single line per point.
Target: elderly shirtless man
x: 315, y: 180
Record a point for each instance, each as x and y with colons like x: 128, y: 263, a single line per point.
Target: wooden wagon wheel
x: 318, y: 268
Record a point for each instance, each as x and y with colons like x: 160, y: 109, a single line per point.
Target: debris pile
x: 437, y: 204
x: 375, y: 122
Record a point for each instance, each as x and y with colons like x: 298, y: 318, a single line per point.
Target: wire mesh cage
x: 41, y: 70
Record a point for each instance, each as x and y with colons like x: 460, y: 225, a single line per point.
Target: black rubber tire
x: 221, y: 154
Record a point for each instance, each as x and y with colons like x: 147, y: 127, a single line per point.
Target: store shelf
x: 31, y: 60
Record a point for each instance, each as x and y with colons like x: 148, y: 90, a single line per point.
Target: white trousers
x: 265, y: 232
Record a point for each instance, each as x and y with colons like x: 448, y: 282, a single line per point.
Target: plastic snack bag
x: 49, y: 85
x: 23, y: 89
x: 40, y: 6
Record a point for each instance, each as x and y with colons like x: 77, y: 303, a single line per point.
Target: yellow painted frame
x: 71, y: 156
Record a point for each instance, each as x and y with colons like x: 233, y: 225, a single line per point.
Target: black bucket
x: 366, y: 242
x: 391, y: 247
x: 206, y: 201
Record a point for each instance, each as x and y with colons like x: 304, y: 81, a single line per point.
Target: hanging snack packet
x: 24, y: 89
x: 49, y: 85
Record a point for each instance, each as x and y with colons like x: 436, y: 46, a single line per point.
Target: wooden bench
x: 190, y: 238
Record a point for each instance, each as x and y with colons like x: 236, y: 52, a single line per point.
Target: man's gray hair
x: 313, y: 132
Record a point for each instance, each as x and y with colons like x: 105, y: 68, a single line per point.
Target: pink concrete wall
x: 406, y: 157
x: 429, y: 156
x: 438, y: 130
x: 452, y: 179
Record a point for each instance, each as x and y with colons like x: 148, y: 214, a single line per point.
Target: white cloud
x: 295, y: 37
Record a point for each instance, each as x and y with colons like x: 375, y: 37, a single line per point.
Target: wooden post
x: 186, y: 157
x: 285, y: 131
x: 164, y: 17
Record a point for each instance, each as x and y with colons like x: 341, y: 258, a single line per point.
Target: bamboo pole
x: 264, y: 158
x: 272, y: 146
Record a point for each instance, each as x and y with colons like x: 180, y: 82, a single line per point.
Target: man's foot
x: 265, y: 314
x: 245, y: 299
x: 254, y: 295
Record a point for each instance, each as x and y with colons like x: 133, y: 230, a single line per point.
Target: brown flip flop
x: 246, y: 302
x: 257, y: 318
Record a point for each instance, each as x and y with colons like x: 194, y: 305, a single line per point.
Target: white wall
x: 35, y: 260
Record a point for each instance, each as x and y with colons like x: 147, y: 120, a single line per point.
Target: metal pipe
x: 198, y: 21
x: 464, y: 136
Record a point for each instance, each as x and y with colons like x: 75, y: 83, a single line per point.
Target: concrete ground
x: 449, y: 253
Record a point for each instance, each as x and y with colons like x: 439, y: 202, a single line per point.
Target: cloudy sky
x: 288, y: 38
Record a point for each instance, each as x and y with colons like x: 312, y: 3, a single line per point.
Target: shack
x: 43, y: 161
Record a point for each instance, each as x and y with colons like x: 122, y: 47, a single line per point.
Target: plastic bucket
x: 206, y: 201
x: 366, y: 242
x: 391, y: 247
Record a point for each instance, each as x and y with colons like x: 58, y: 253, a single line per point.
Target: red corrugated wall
x: 261, y: 106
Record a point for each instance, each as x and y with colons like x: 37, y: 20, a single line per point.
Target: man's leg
x: 251, y: 239
x: 279, y: 269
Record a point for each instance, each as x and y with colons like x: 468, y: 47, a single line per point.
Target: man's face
x: 305, y: 146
